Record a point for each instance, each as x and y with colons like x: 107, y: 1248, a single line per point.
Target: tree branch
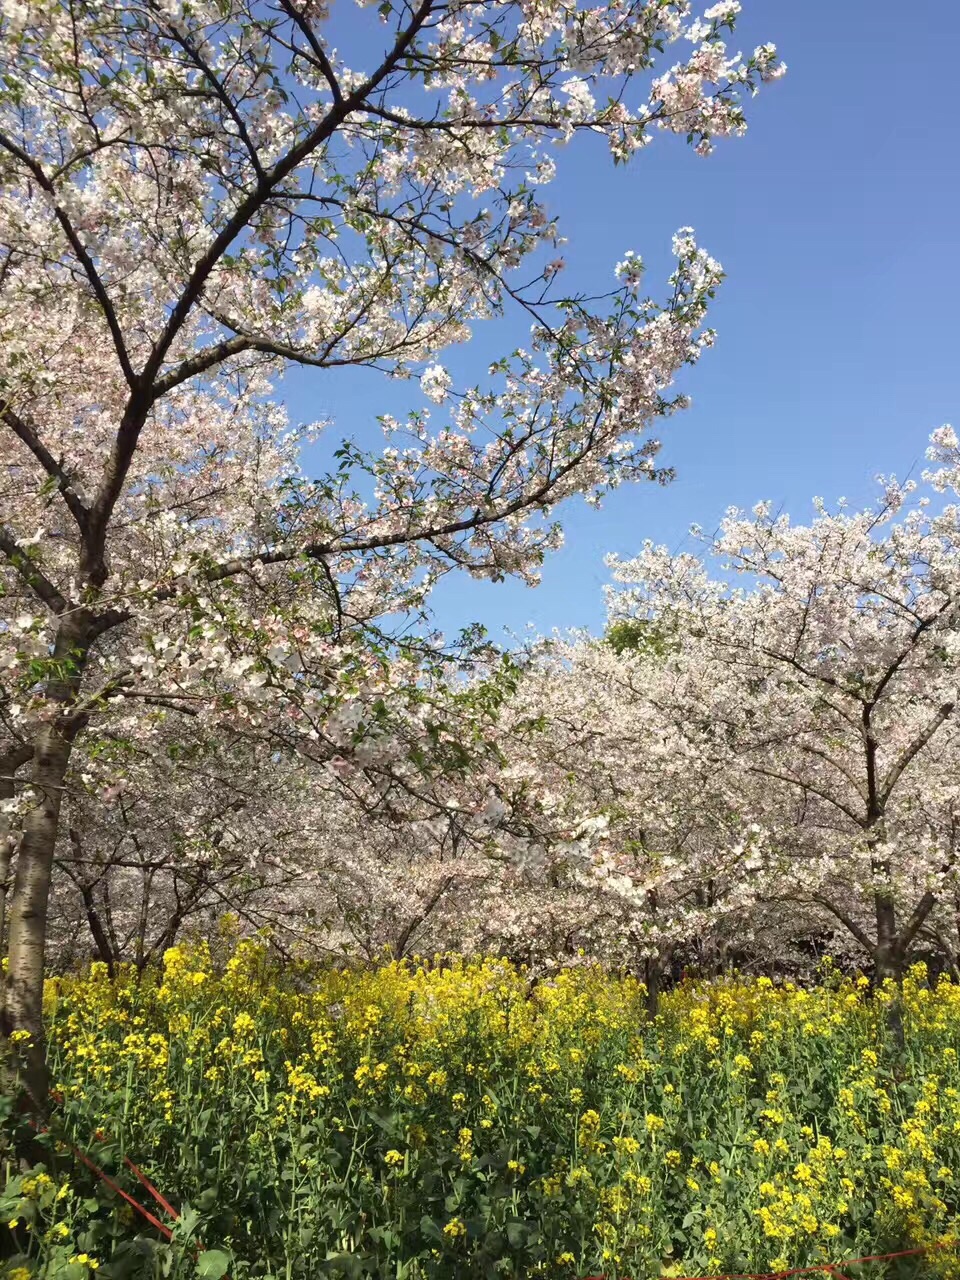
x: 51, y: 466
x: 83, y: 257
x: 204, y: 359
x: 913, y: 749
x: 848, y: 923
x: 803, y: 785
x: 31, y: 575
x: 145, y: 385
x: 316, y: 48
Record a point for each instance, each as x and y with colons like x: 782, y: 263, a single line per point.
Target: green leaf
x: 342, y: 1264
x: 207, y: 1199
x: 517, y: 1233
x: 212, y: 1264
x: 430, y: 1229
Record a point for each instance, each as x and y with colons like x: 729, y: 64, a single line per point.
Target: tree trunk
x: 888, y: 963
x: 9, y: 764
x: 86, y: 889
x: 28, y: 914
x: 6, y: 853
x: 23, y: 1004
x: 140, y: 959
x: 653, y: 972
x: 888, y: 957
x: 97, y: 931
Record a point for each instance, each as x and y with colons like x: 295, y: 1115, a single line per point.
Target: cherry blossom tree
x: 166, y: 828
x: 359, y: 854
x: 824, y: 689
x: 196, y: 196
x: 673, y: 851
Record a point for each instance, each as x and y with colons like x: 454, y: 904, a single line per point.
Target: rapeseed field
x: 452, y: 1118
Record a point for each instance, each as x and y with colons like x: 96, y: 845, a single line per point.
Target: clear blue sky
x: 836, y: 219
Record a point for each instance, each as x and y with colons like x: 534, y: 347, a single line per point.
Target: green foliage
x: 452, y: 1120
x: 643, y: 637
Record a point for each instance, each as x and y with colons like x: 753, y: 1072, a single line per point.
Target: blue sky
x: 836, y: 219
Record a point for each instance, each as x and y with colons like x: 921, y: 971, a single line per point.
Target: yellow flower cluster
x: 456, y: 1107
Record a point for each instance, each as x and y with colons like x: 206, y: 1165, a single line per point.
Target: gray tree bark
x: 23, y: 1003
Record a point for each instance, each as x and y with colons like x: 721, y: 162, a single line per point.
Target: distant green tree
x: 646, y: 637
